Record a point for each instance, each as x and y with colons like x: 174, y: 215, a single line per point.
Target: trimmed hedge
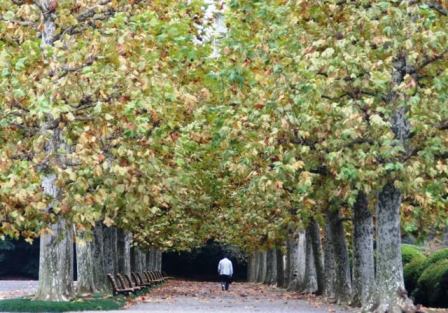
x: 432, y: 286
x: 412, y: 272
x: 409, y: 253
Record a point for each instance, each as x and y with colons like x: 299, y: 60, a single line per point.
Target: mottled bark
x: 138, y: 260
x: 262, y: 267
x: 301, y: 259
x: 298, y: 262
x: 391, y: 295
x: 150, y: 260
x: 159, y: 260
x: 273, y: 279
x: 252, y: 268
x: 257, y: 265
x: 292, y: 257
x: 85, y: 266
x: 56, y: 263
x: 287, y: 258
x: 329, y: 264
x: 271, y: 267
x: 124, y: 251
x: 309, y: 282
x: 389, y: 275
x: 110, y: 250
x: 56, y: 246
x: 364, y: 266
x: 343, y: 288
x: 314, y: 236
x: 56, y: 249
x: 99, y: 264
x: 280, y: 268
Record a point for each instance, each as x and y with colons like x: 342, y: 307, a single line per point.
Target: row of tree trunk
x: 317, y: 260
x: 109, y: 250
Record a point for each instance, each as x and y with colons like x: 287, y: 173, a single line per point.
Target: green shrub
x: 412, y: 272
x: 432, y: 286
x: 432, y: 259
x: 437, y: 256
x: 27, y: 305
x: 409, y: 252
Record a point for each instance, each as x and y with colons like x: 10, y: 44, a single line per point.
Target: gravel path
x: 17, y: 288
x: 200, y: 297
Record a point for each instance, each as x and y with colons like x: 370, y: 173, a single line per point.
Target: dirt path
x: 178, y: 296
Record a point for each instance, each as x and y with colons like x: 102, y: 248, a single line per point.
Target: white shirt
x: 225, y: 267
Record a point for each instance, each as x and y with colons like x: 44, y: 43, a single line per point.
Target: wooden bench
x: 160, y: 276
x: 145, y: 279
x: 116, y: 290
x: 126, y: 285
x: 155, y: 277
x: 148, y: 278
x: 131, y: 283
x: 164, y: 275
x: 139, y: 280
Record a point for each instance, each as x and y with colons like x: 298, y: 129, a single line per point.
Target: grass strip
x: 28, y: 305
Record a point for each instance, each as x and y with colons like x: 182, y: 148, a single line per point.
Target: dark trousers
x: 225, y: 281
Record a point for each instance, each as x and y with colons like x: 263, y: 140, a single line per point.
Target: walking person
x: 225, y: 271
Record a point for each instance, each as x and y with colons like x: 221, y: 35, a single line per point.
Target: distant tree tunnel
x: 201, y: 263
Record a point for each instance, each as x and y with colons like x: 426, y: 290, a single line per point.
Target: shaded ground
x: 178, y: 296
x: 17, y: 288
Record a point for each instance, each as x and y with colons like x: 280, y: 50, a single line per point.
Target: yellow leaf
x: 108, y: 221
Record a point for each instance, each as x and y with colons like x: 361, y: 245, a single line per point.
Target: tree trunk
x: 135, y: 266
x: 262, y: 267
x: 56, y: 263
x: 364, y: 266
x: 138, y: 259
x: 309, y: 281
x: 269, y: 260
x: 257, y: 265
x: 252, y: 268
x: 391, y: 294
x: 389, y: 274
x: 124, y: 251
x: 280, y: 268
x: 99, y: 269
x: 159, y: 260
x: 271, y: 267
x: 292, y: 246
x: 329, y: 264
x: 150, y: 260
x: 56, y: 246
x: 153, y: 259
x: 343, y: 288
x: 110, y: 250
x: 85, y: 266
x: 314, y: 236
x: 273, y: 279
x: 56, y: 253
x: 287, y: 271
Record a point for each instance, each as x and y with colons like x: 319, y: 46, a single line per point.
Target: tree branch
x: 443, y: 125
x: 439, y: 8
x: 31, y: 24
x: 70, y: 69
x: 429, y: 60
x: 88, y: 18
x: 321, y: 170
